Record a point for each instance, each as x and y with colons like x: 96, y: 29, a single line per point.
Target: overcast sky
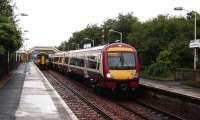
x: 52, y: 21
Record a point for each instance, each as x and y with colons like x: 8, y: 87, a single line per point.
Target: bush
x: 158, y: 70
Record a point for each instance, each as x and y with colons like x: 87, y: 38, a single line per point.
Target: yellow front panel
x: 120, y: 49
x: 42, y: 60
x: 122, y: 74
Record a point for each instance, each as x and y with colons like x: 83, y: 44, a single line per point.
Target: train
x: 113, y: 66
x: 41, y: 60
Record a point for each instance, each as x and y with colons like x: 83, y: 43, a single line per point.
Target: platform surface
x: 173, y: 86
x: 29, y: 96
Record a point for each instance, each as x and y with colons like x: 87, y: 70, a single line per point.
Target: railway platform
x: 173, y: 87
x: 29, y: 96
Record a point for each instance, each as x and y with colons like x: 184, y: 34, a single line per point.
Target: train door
x: 85, y: 66
x: 69, y: 68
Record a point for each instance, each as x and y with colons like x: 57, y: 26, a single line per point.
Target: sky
x: 49, y: 22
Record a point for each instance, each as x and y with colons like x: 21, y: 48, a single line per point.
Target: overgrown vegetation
x: 162, y: 42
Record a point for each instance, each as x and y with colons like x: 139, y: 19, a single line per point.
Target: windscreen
x: 121, y: 61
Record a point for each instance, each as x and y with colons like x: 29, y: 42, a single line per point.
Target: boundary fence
x: 7, y: 63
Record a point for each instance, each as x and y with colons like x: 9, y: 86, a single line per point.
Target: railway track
x: 130, y: 109
x: 93, y: 106
x: 152, y: 113
x: 163, y: 113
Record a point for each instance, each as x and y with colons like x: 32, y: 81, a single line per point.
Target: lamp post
x: 103, y: 36
x: 26, y: 51
x: 25, y: 31
x: 91, y: 40
x: 78, y: 46
x: 195, y: 32
x: 111, y: 30
x: 23, y: 14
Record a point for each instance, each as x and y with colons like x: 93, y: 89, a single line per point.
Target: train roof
x: 91, y: 50
x: 97, y: 47
x: 88, y: 49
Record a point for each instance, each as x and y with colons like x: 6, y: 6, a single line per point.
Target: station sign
x: 88, y: 45
x: 195, y: 43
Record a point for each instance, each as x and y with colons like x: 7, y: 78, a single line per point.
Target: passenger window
x: 92, y: 64
x: 77, y: 62
x: 60, y: 60
x: 72, y: 61
x: 81, y: 62
x: 66, y: 60
x: 91, y: 57
x: 56, y: 59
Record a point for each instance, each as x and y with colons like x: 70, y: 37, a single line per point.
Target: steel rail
x: 99, y: 111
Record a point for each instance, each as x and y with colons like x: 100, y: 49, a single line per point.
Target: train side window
x: 66, y: 60
x: 77, y: 62
x: 60, y: 59
x: 91, y: 57
x: 56, y: 59
x: 72, y: 61
x: 92, y: 64
x: 49, y: 59
x: 81, y: 62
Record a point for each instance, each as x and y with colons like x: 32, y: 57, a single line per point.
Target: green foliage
x: 92, y: 32
x: 162, y: 42
x: 5, y: 8
x: 2, y: 50
x: 123, y: 24
x: 162, y: 66
x: 10, y: 36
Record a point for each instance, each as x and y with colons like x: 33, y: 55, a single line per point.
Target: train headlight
x: 108, y: 75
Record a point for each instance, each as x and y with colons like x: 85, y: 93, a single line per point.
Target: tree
x: 123, y: 23
x: 92, y: 32
x: 10, y: 35
x: 162, y: 42
x: 6, y: 8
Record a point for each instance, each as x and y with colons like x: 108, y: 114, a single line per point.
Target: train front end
x: 121, y: 67
x: 42, y: 61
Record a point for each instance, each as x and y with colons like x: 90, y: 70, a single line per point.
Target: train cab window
x: 121, y: 60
